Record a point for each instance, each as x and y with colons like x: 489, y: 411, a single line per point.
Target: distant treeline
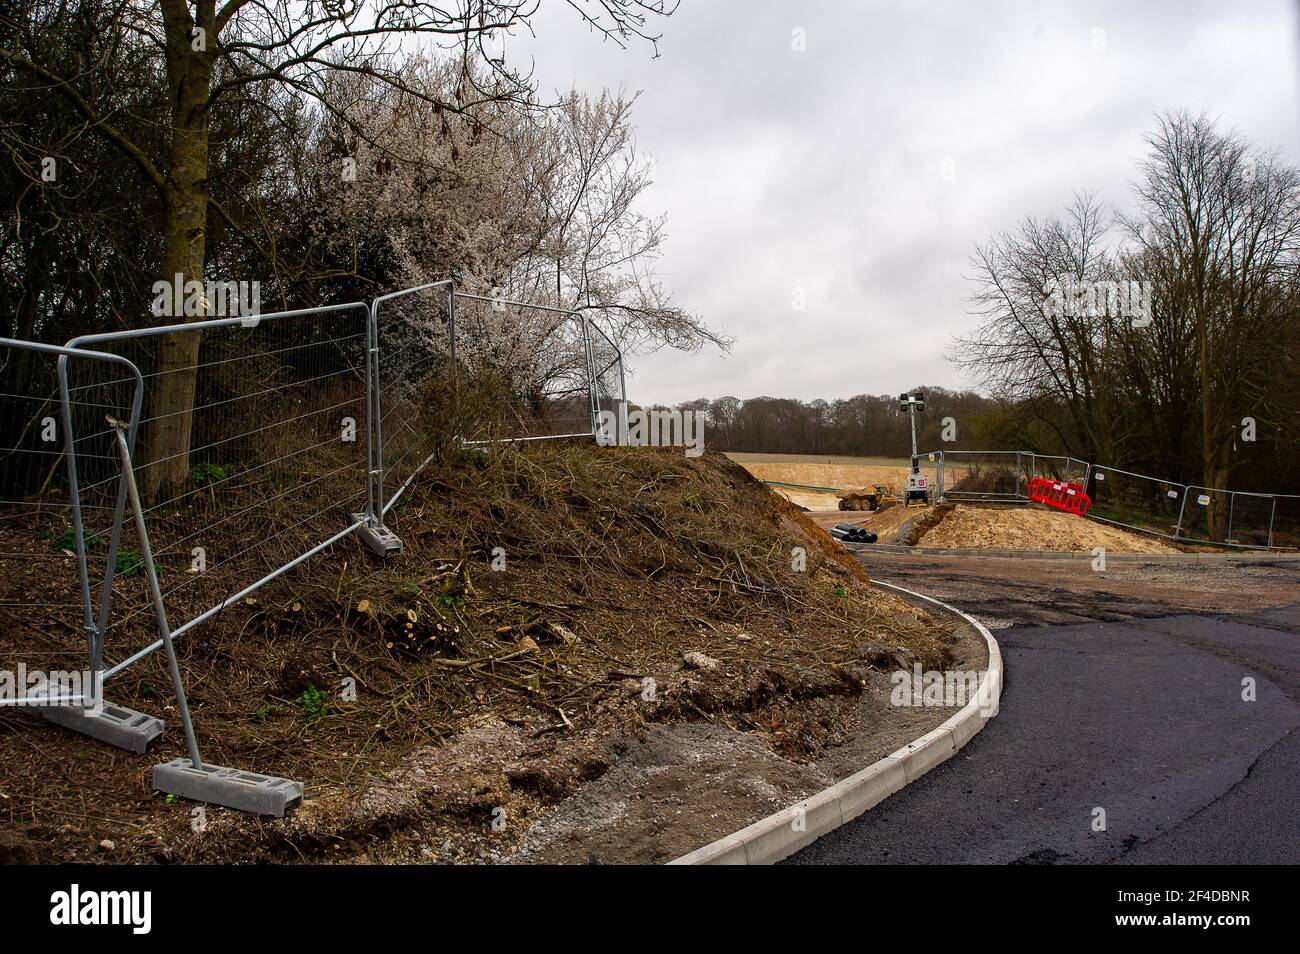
x: 872, y: 426
x: 867, y: 424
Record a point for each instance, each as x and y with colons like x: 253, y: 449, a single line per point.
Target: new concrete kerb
x: 778, y: 836
x: 1270, y: 556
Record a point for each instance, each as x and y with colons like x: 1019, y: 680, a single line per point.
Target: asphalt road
x: 1141, y: 717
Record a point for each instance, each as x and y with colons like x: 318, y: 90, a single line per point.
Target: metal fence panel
x: 996, y: 476
x: 1055, y: 467
x: 257, y: 442
x: 523, y: 371
x: 1047, y: 466
x: 1227, y: 517
x: 48, y: 561
x: 1135, y: 500
x: 270, y: 465
x: 1286, y: 521
x: 414, y: 377
x: 609, y: 379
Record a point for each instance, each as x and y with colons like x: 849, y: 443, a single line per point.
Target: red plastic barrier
x: 1070, y: 497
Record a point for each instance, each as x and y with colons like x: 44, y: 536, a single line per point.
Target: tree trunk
x: 1214, y: 473
x: 172, y: 390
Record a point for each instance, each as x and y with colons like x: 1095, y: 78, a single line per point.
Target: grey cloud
x: 824, y: 169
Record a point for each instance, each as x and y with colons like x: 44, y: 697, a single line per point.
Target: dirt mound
x: 535, y: 623
x: 1030, y: 528
x: 995, y: 526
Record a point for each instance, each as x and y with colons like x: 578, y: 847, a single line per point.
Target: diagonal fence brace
x: 190, y: 778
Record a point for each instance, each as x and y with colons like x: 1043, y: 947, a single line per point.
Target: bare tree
x: 594, y: 248
x: 213, y: 51
x: 1032, y: 347
x: 1222, y: 223
x: 1214, y: 241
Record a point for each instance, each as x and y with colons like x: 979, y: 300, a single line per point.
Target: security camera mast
x: 917, y: 490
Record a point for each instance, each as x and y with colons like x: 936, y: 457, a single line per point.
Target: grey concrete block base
x: 117, y: 725
x: 778, y: 836
x: 246, y: 791
x: 379, y: 540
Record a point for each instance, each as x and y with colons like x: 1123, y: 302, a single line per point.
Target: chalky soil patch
x: 684, y: 786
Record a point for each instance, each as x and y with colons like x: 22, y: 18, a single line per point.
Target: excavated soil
x: 439, y: 709
x: 994, y: 526
x: 1032, y: 528
x: 834, y: 472
x: 885, y: 523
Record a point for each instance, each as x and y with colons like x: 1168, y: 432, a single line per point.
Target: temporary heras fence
x: 609, y: 377
x: 1179, y: 512
x: 981, y: 475
x: 1182, y: 512
x: 50, y: 568
x: 1286, y: 521
x: 1227, y: 517
x: 523, y: 371
x: 252, y: 452
x: 255, y: 442
x: 266, y: 439
x: 1069, y: 470
x: 495, y: 369
x: 1135, y: 500
x: 413, y: 341
x: 999, y: 476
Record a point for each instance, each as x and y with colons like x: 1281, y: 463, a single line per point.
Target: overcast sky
x: 863, y: 170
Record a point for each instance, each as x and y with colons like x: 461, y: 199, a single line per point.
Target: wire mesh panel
x: 1047, y: 466
x: 1286, y: 521
x: 1135, y: 500
x: 46, y: 642
x: 523, y: 372
x: 985, y: 475
x: 1228, y: 517
x: 609, y: 379
x: 931, y: 468
x: 252, y: 451
x: 1055, y: 467
x: 415, y: 383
